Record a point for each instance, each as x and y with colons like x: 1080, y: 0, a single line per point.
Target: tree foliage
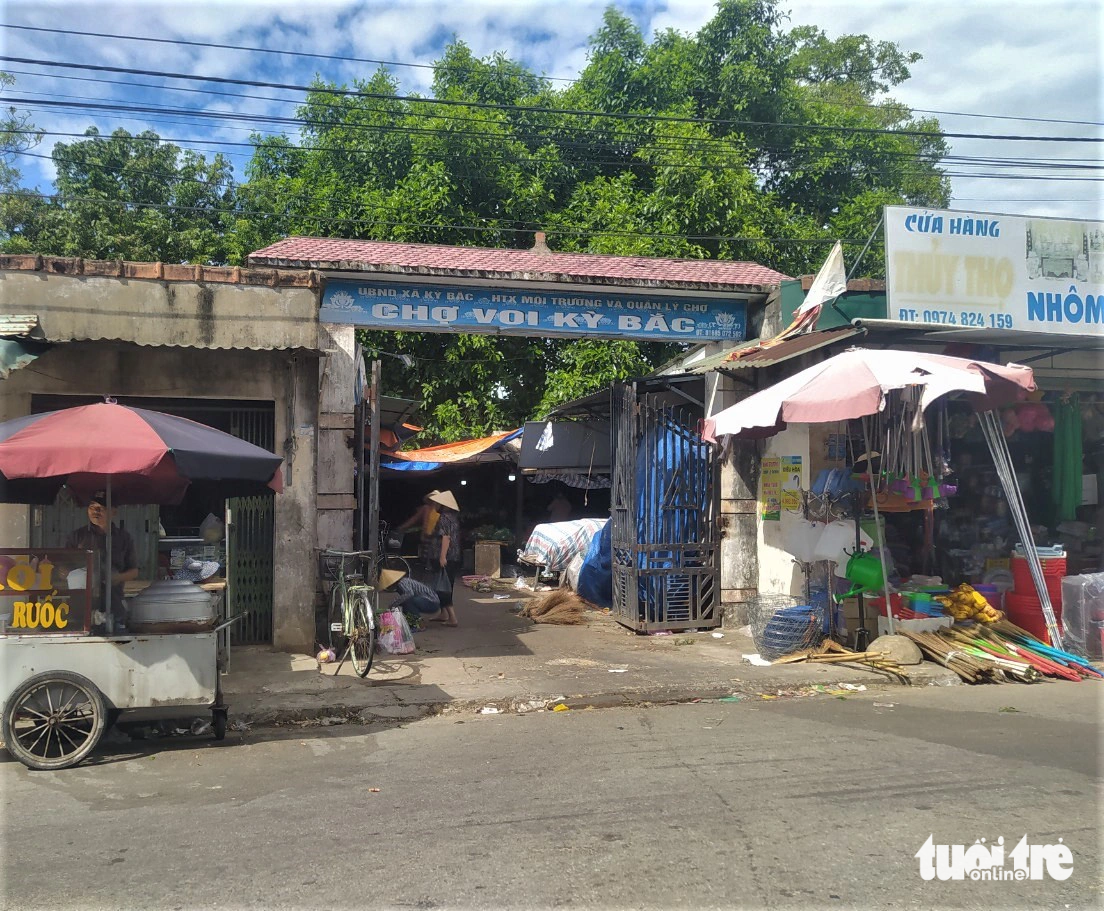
x: 17, y: 135
x: 126, y: 196
x: 747, y: 140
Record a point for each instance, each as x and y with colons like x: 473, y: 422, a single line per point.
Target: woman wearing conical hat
x: 425, y: 519
x: 413, y: 596
x: 445, y: 549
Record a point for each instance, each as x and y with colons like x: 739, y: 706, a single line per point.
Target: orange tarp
x: 452, y: 452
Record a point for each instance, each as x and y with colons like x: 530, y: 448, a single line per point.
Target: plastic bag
x: 211, y: 529
x: 443, y: 584
x: 395, y: 637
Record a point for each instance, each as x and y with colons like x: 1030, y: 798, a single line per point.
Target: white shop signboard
x: 973, y: 269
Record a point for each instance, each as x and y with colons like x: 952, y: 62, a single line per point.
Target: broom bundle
x: 561, y: 606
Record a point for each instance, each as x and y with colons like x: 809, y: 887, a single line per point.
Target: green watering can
x: 864, y: 572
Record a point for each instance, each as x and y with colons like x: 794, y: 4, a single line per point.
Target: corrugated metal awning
x: 19, y: 325
x: 765, y: 354
x: 20, y: 343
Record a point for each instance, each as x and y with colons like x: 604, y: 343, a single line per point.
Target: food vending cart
x: 65, y: 677
x: 62, y: 687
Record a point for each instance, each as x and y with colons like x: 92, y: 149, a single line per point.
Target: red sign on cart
x: 46, y: 590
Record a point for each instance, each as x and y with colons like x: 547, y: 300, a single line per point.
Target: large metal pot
x: 171, y: 606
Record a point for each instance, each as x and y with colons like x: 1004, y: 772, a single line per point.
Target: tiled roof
x: 165, y: 272
x: 481, y: 262
x: 864, y: 285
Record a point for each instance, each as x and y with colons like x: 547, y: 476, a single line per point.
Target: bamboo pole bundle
x: 1008, y: 662
x: 831, y: 652
x: 1046, y: 660
x: 949, y: 654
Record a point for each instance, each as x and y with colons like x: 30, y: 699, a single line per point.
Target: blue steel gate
x: 663, y: 510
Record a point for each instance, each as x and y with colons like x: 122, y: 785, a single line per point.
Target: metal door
x: 51, y: 525
x: 663, y: 510
x: 249, y: 566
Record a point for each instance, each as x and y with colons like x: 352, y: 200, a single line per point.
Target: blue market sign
x: 486, y: 311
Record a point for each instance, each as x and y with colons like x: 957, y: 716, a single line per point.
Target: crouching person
x: 413, y: 596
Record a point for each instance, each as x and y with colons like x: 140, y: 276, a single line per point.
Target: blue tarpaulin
x: 596, y: 576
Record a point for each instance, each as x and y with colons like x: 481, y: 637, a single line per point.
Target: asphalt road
x: 815, y: 802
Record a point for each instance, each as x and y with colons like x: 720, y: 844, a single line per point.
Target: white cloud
x: 1005, y: 57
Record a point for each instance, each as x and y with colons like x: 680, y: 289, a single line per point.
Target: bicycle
x: 352, y: 614
x: 389, y: 556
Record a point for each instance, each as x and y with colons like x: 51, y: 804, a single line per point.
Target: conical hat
x: 389, y: 577
x: 433, y: 493
x: 444, y: 498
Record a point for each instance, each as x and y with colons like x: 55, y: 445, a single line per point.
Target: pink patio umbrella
x: 855, y: 383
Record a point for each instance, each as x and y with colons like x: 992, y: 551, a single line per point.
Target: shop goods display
x: 998, y: 653
x: 966, y: 603
x: 780, y: 624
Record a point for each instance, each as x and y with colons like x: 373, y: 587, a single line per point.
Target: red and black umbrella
x: 141, y: 456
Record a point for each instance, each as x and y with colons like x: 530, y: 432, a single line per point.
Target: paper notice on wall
x: 792, y: 479
x: 770, y: 489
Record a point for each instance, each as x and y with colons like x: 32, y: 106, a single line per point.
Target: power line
x: 653, y: 143
x: 622, y: 163
x: 675, y: 143
x: 519, y: 109
x: 234, y: 213
x: 440, y: 66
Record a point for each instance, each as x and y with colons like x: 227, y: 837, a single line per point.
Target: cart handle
x: 232, y: 620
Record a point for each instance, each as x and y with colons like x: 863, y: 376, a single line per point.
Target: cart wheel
x: 218, y: 723
x: 53, y: 720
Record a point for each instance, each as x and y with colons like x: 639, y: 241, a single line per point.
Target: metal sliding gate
x: 249, y: 570
x: 663, y: 510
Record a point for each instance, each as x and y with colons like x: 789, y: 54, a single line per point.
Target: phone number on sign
x: 966, y: 318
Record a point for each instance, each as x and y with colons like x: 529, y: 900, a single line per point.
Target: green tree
x: 745, y: 140
x: 126, y: 196
x: 17, y: 135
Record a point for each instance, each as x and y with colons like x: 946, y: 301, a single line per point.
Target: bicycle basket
x: 330, y: 565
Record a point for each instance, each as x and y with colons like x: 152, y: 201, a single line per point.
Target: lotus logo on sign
x: 433, y: 308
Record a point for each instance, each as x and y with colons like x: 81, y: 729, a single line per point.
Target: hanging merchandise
x: 1068, y: 457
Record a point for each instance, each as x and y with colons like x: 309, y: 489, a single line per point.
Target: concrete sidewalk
x: 498, y: 660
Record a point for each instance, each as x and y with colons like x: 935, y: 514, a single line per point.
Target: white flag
x: 830, y: 282
x: 545, y: 442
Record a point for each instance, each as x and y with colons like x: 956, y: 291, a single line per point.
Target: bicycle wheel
x: 362, y: 632
x: 392, y: 561
x: 338, y: 637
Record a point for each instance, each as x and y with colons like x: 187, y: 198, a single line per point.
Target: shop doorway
x: 245, y: 553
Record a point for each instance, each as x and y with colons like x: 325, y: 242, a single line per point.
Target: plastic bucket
x: 1054, y: 567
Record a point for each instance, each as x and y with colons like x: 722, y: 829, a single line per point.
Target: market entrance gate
x: 663, y: 515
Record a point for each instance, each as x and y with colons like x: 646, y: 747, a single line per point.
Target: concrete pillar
x: 295, y: 566
x: 738, y: 505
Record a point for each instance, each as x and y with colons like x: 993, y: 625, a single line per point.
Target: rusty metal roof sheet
x: 755, y: 354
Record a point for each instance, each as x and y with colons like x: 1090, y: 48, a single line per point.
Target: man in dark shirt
x: 124, y: 555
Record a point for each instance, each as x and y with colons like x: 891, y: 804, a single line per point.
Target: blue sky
x: 994, y: 57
